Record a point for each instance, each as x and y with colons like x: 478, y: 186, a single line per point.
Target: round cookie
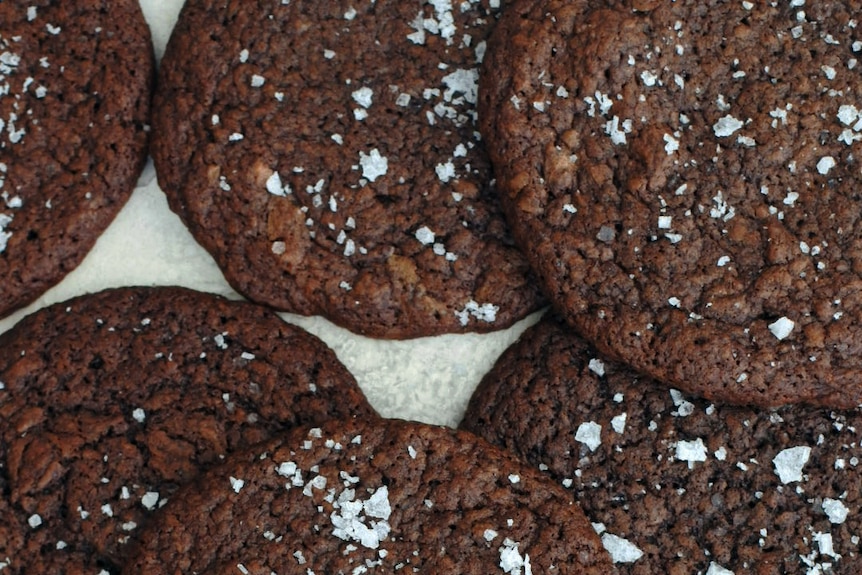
x: 676, y: 484
x: 326, y: 154
x: 75, y: 83
x: 685, y: 180
x: 110, y: 402
x: 377, y: 497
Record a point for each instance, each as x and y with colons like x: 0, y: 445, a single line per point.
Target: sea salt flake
x: 648, y: 78
x: 618, y: 423
x: 848, y: 114
x: 464, y: 82
x: 374, y: 165
x: 825, y: 164
x: 486, y: 312
x: 363, y: 96
x: 726, y: 126
x: 34, y: 521
x: 835, y: 510
x: 782, y: 327
x: 789, y: 463
x: 597, y: 366
x: 425, y: 235
x: 236, y: 484
x: 590, y: 434
x: 621, y: 550
x: 671, y: 144
x: 716, y: 569
x: 612, y: 129
x: 445, y: 172
x: 511, y: 561
x: 691, y: 451
x: 150, y: 499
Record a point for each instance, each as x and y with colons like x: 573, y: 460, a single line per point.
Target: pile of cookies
x: 676, y: 178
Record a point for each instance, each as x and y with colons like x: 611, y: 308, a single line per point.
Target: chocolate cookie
x: 676, y: 484
x: 75, y: 81
x: 367, y: 497
x: 109, y: 402
x: 326, y: 154
x: 685, y: 182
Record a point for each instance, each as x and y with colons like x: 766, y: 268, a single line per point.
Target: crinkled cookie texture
x: 110, y: 402
x: 326, y: 153
x: 75, y: 83
x: 676, y: 484
x: 684, y: 177
x: 371, y: 497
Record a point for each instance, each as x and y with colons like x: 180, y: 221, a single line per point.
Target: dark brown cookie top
x: 677, y: 484
x: 376, y: 497
x: 685, y: 181
x: 326, y: 154
x: 75, y: 81
x: 109, y: 402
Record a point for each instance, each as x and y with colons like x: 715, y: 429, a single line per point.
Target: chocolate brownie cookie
x: 368, y: 497
x: 677, y: 484
x: 684, y: 177
x: 326, y: 154
x: 109, y: 402
x: 75, y: 82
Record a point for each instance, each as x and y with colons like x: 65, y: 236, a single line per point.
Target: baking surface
x: 426, y: 379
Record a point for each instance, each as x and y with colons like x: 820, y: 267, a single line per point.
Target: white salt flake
x: 618, y: 423
x: 511, y: 561
x: 597, y: 366
x: 782, y: 327
x: 789, y: 463
x: 464, y: 82
x: 848, y: 114
x: 486, y: 312
x: 363, y: 96
x: 616, y: 133
x: 835, y: 510
x: 236, y: 484
x: 716, y: 569
x: 150, y: 499
x: 34, y: 521
x: 590, y: 434
x: 825, y: 164
x: 257, y: 81
x: 139, y: 415
x: 648, y: 78
x: 445, y: 172
x: 373, y: 164
x: 378, y: 505
x: 691, y: 451
x: 425, y: 235
x: 726, y: 126
x: 671, y: 144
x: 621, y: 550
